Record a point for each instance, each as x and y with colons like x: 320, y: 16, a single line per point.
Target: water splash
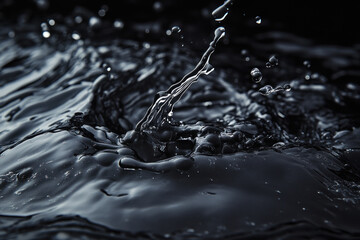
x: 164, y: 101
x: 267, y: 90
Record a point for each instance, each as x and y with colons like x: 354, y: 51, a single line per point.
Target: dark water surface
x: 230, y: 162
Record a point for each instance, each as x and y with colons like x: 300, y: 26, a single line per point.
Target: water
x: 225, y: 160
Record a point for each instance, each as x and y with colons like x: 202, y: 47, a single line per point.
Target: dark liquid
x: 228, y: 161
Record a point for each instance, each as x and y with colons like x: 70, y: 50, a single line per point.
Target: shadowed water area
x: 120, y: 126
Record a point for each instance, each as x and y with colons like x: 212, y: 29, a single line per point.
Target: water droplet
x: 78, y: 19
x: 307, y: 64
x: 222, y: 11
x: 94, y: 22
x: 244, y: 52
x: 75, y: 36
x: 175, y: 29
x: 146, y: 45
x: 287, y: 87
x: 43, y: 26
x: 42, y: 4
x: 245, y: 55
x: 51, y: 22
x: 108, y: 69
x: 258, y: 19
x: 102, y: 11
x: 158, y: 6
x: 307, y: 76
x: 118, y: 24
x: 11, y: 34
x: 273, y: 61
x: 256, y: 75
x: 266, y: 90
x: 46, y: 34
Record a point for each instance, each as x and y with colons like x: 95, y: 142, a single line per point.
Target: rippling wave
x: 231, y: 163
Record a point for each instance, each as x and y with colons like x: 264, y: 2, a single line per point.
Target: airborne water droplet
x: 258, y: 19
x: 273, y: 61
x: 287, y: 87
x: 78, y: 19
x: 46, y: 34
x: 222, y: 11
x: 11, y: 34
x: 94, y: 22
x: 51, y: 22
x: 158, y: 6
x: 75, y: 36
x: 256, y: 75
x: 307, y: 64
x: 118, y: 24
x: 175, y: 29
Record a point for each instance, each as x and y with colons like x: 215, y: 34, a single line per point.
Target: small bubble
x: 118, y: 24
x: 256, y: 75
x: 75, y: 36
x: 78, y: 19
x: 266, y: 90
x: 307, y: 77
x: 51, y: 22
x: 168, y: 32
x: 46, y: 34
x: 258, y: 20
